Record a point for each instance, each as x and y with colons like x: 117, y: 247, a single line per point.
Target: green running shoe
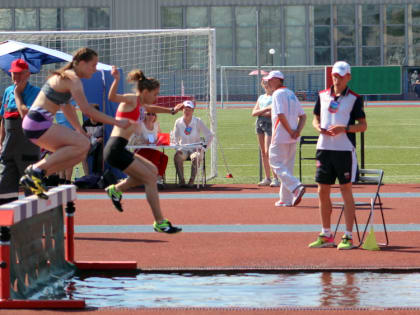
x: 346, y: 243
x: 166, y: 227
x: 115, y: 196
x: 323, y: 241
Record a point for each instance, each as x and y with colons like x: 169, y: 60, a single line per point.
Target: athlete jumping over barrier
x: 68, y: 147
x: 140, y: 170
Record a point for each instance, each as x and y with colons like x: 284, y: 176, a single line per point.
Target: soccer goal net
x: 182, y: 60
x: 239, y: 84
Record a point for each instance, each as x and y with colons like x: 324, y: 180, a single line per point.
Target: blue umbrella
x: 35, y: 56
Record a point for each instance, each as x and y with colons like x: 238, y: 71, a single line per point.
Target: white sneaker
x: 297, y: 195
x: 275, y: 183
x: 264, y: 182
x: 280, y: 203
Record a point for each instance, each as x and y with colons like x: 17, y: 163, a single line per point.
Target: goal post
x: 183, y: 60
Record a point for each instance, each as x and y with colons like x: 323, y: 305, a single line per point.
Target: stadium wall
x: 127, y: 14
x: 145, y: 14
x: 270, y: 2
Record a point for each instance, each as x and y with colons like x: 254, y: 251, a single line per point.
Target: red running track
x: 244, y: 250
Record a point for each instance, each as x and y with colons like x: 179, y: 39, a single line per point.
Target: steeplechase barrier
x: 36, y: 250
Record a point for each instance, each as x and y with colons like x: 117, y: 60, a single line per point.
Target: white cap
x: 341, y: 68
x: 274, y: 74
x: 188, y: 104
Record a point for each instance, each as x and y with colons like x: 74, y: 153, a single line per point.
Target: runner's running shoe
x: 35, y: 182
x: 323, y: 241
x: 166, y: 227
x: 115, y: 196
x: 346, y: 243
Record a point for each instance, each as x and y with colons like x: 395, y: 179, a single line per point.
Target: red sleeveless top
x: 133, y: 115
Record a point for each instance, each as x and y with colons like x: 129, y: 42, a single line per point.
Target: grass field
x: 392, y: 143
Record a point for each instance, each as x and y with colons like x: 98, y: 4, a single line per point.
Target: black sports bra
x: 54, y: 96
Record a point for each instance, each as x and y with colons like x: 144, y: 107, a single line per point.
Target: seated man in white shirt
x: 189, y: 129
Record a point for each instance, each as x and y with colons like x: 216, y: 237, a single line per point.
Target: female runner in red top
x: 139, y: 170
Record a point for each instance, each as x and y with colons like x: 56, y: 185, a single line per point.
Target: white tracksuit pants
x: 282, y: 161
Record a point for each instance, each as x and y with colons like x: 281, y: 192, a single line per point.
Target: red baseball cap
x: 18, y: 65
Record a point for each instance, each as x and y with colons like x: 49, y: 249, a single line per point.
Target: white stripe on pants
x: 353, y: 165
x: 282, y: 160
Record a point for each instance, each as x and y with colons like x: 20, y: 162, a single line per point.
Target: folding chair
x: 373, y: 176
x: 305, y: 140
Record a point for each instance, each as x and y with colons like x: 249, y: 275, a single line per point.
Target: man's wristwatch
x: 172, y: 111
x: 347, y: 128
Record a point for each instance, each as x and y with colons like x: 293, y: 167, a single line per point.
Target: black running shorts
x: 331, y: 165
x: 116, y: 154
x: 263, y: 125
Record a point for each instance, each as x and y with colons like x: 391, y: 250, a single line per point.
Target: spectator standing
x: 262, y: 110
x: 288, y: 120
x: 17, y: 152
x: 417, y: 88
x: 413, y: 78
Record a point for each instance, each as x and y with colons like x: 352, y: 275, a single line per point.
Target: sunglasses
x: 150, y: 114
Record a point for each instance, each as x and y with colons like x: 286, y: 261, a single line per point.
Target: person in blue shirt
x: 17, y: 152
x: 65, y: 175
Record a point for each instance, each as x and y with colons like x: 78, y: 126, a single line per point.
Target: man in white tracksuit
x: 288, y: 120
